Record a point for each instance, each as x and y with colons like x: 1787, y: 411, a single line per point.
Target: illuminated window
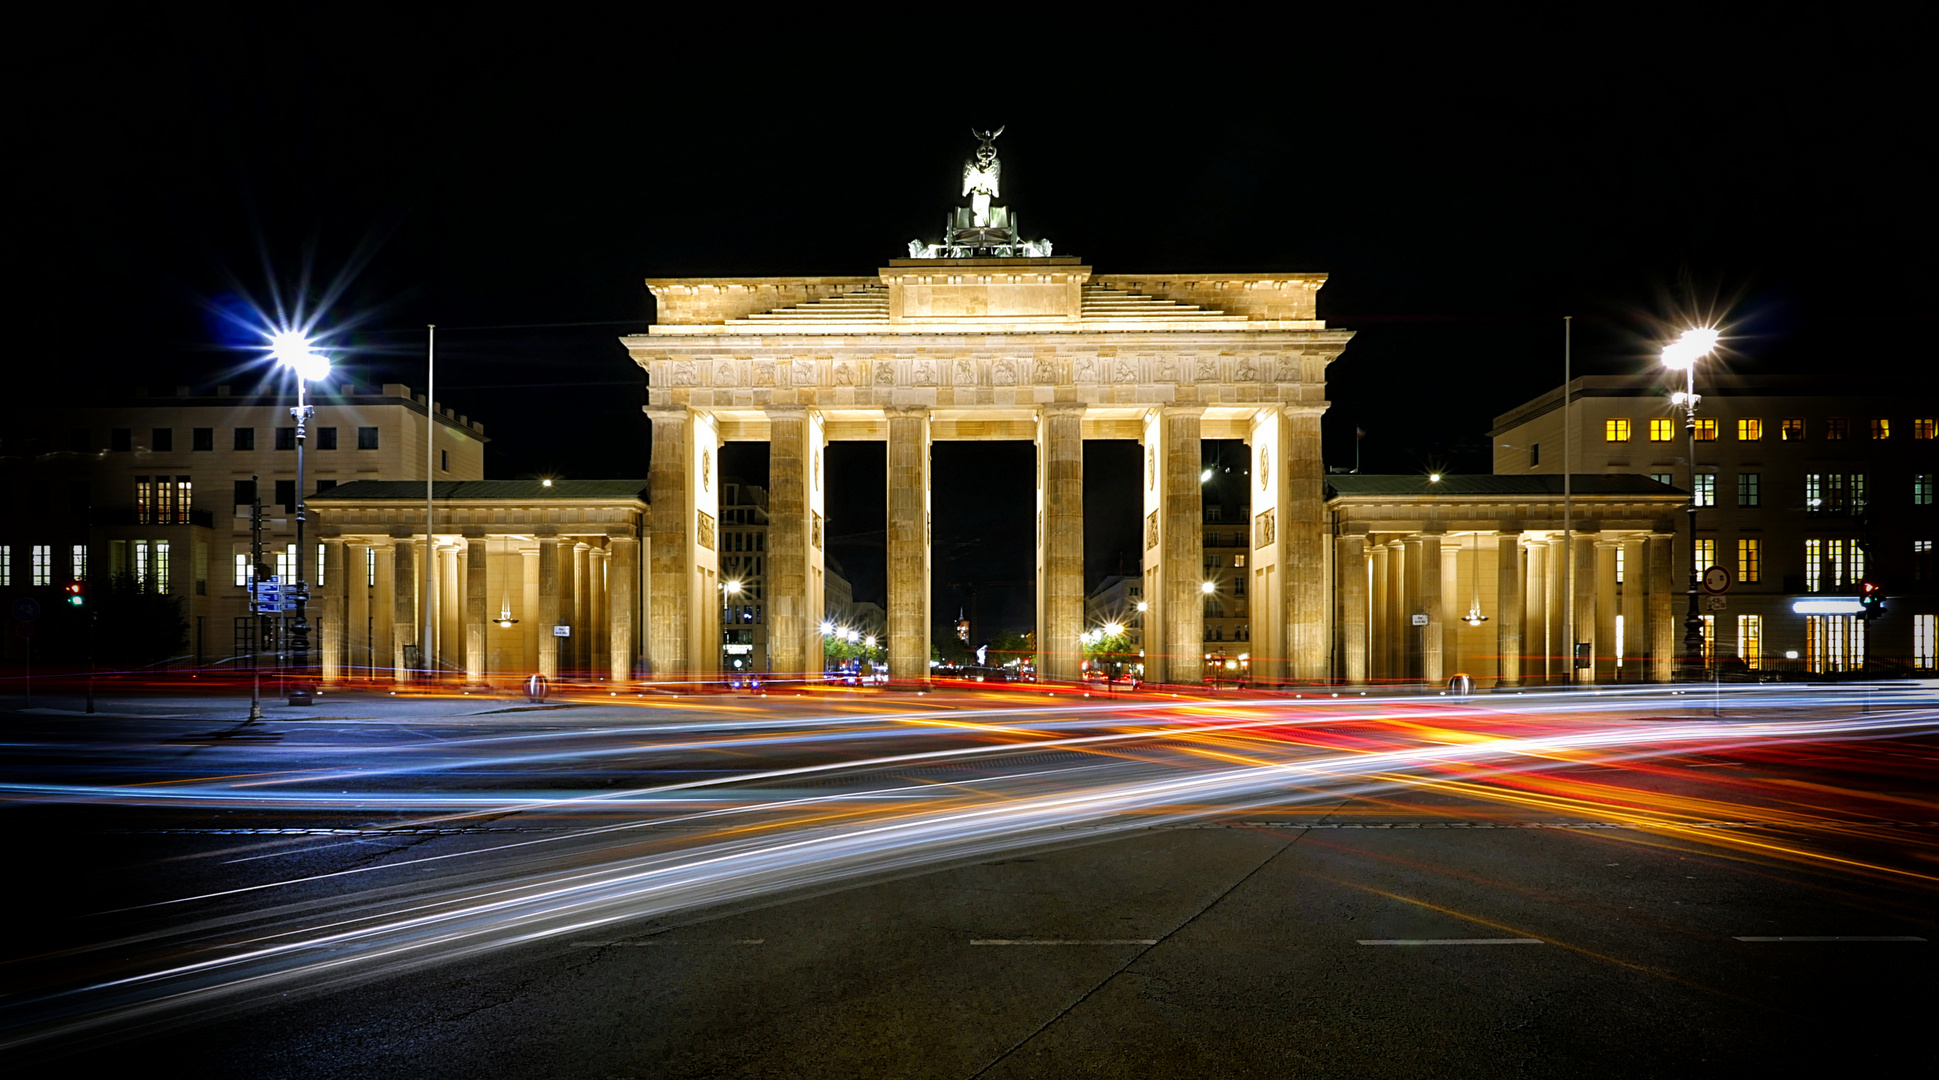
x: 1814, y: 554
x: 1791, y: 431
x: 1750, y: 429
x: 1924, y: 429
x: 1750, y: 640
x: 319, y: 566
x: 1750, y: 560
x: 1706, y: 554
x: 1709, y: 637
x: 144, y: 569
x: 1854, y: 563
x: 370, y: 567
x: 1706, y: 430
x: 161, y: 566
x: 1706, y: 493
x: 43, y: 566
x: 1835, y: 428
x: 1621, y: 550
x: 1923, y: 627
x: 1661, y: 478
x: 242, y: 571
x: 1619, y: 640
x: 286, y: 563
x: 1922, y: 489
x: 1922, y: 560
x: 1747, y: 489
x: 184, y: 499
x: 1881, y: 428
x: 6, y: 565
x: 1835, y: 560
x: 1662, y: 429
x: 78, y: 562
x: 144, y: 500
x: 1814, y: 492
x: 1616, y: 430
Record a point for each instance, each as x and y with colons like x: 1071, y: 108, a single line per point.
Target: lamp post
x: 1682, y: 355
x: 293, y: 350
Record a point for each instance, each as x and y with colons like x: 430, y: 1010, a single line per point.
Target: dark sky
x: 1464, y: 184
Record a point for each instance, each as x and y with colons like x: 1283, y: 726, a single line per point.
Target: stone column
x: 356, y: 611
x: 404, y: 578
x: 1664, y: 629
x: 1306, y: 548
x: 1413, y: 560
x: 1060, y: 541
x: 476, y: 590
x: 1535, y: 626
x: 1381, y: 627
x: 908, y: 544
x: 451, y: 606
x: 1431, y: 602
x: 1560, y: 648
x: 1508, y: 606
x: 1635, y: 621
x: 671, y: 524
x: 531, y: 626
x: 598, y: 647
x: 622, y: 585
x: 1399, y: 607
x: 1606, y: 610
x: 1351, y: 564
x: 548, y: 613
x: 1183, y: 546
x: 792, y: 619
x: 331, y: 613
x: 578, y: 614
x: 1585, y: 603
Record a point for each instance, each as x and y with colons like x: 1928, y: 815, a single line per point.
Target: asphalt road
x: 1599, y: 915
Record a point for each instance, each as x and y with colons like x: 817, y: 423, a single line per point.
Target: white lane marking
x: 1452, y: 941
x: 1838, y: 937
x: 643, y: 944
x: 1063, y: 941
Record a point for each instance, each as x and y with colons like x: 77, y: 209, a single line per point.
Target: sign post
x: 27, y: 609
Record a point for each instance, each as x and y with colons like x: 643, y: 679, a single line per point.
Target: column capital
x: 1507, y: 529
x: 792, y: 412
x: 1062, y: 408
x: 907, y: 411
x: 1180, y: 410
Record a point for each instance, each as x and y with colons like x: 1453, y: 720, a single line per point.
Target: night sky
x: 1465, y: 187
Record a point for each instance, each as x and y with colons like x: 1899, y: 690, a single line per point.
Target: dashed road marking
x: 1064, y: 941
x: 644, y: 944
x: 1453, y: 941
x: 1836, y: 937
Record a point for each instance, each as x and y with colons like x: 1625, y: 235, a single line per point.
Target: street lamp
x: 294, y: 350
x: 1682, y: 355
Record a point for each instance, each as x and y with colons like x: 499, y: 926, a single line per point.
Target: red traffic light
x: 76, y: 593
x: 1868, y: 588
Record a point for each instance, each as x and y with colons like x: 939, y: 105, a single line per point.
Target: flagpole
x: 424, y: 657
x: 1568, y: 507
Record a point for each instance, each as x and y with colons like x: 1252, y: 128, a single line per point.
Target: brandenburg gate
x: 988, y: 336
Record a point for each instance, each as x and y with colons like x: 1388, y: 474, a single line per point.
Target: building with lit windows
x: 743, y: 576
x: 1804, y: 490
x: 161, y: 486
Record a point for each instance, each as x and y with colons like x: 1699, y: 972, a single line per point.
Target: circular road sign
x: 24, y: 629
x: 1716, y: 579
x: 27, y: 609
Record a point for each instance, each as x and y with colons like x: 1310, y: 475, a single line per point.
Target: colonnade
x: 1406, y: 598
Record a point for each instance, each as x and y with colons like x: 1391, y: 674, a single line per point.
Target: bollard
x: 1461, y: 685
x: 535, y: 689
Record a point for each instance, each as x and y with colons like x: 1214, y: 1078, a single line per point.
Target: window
x: 1835, y: 428
x: 144, y: 500
x: 1706, y: 429
x: 1922, y: 489
x: 121, y: 438
x: 202, y: 438
x: 161, y: 566
x: 1923, y: 627
x: 6, y: 566
x: 370, y: 567
x: 286, y: 495
x: 1750, y: 429
x: 162, y: 439
x: 245, y: 438
x: 1750, y: 640
x: 1706, y: 554
x: 1213, y: 513
x: 1619, y: 636
x: 77, y: 562
x: 319, y: 566
x: 1662, y: 429
x: 43, y: 566
x: 242, y: 570
x: 366, y: 438
x: 1622, y: 568
x: 1239, y: 562
x: 1615, y: 430
x: 1922, y: 560
x: 1881, y: 428
x: 245, y: 493
x: 1750, y: 560
x: 1814, y: 553
x: 285, y: 438
x: 1924, y: 429
x: 286, y: 563
x: 1661, y: 478
x: 1858, y: 493
x: 1791, y: 430
x: 1709, y: 637
x: 1706, y: 492
x: 1833, y: 642
x: 1534, y: 454
x: 444, y: 461
x: 326, y: 438
x: 1747, y: 489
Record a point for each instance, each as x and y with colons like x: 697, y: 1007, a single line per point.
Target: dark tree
x: 135, y: 626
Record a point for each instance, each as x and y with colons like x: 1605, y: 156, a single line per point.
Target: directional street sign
x: 26, y: 609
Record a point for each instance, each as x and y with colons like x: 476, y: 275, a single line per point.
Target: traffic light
x: 77, y: 594
x: 1872, y: 597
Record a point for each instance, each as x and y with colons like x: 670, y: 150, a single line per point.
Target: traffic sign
x: 1716, y: 603
x: 1419, y: 620
x: 24, y: 628
x: 26, y: 609
x: 562, y: 631
x: 1717, y: 579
